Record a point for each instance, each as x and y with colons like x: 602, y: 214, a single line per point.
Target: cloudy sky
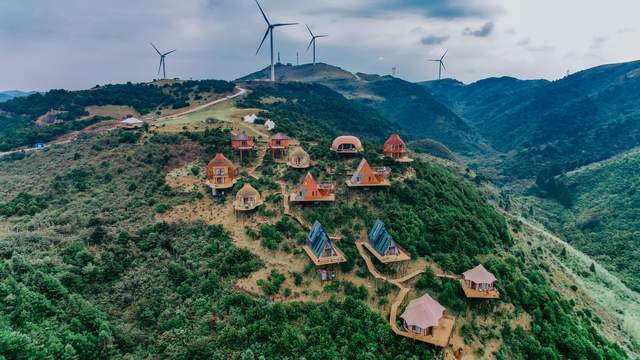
x: 80, y: 43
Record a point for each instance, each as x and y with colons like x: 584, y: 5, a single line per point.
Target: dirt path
x: 241, y: 91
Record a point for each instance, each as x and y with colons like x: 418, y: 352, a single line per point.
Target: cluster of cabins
x: 423, y: 317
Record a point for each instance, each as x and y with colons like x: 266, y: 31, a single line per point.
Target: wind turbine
x: 162, y: 62
x: 440, y: 64
x: 269, y: 32
x: 313, y: 42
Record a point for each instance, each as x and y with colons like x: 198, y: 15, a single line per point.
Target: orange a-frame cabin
x: 478, y: 283
x: 366, y: 176
x: 396, y: 149
x: 221, y: 173
x: 346, y: 144
x: 279, y: 144
x: 312, y: 191
x: 242, y: 143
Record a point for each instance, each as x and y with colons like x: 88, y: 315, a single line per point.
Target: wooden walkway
x: 442, y: 332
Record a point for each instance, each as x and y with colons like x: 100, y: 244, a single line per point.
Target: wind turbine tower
x: 313, y: 42
x: 162, y: 61
x: 440, y: 64
x: 269, y: 32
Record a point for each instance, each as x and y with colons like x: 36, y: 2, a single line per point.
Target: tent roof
x: 132, y: 121
x: 423, y: 312
x: 380, y: 238
x: 346, y: 139
x: 479, y: 275
x: 220, y: 160
x: 394, y: 139
x: 248, y: 190
x: 298, y: 151
x: 280, y: 136
x: 241, y: 137
x: 317, y: 239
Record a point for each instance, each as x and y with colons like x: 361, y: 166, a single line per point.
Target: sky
x: 77, y: 44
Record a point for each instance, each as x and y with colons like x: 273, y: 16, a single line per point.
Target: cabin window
x: 219, y: 172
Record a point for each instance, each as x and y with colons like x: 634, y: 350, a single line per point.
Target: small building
x: 382, y: 245
x: 396, y: 149
x: 247, y: 198
x: 279, y: 145
x: 131, y: 122
x: 221, y: 173
x: 312, y: 191
x: 366, y: 176
x: 242, y: 143
x: 250, y: 119
x: 346, y: 144
x: 322, y: 252
x: 478, y: 283
x: 299, y: 159
x: 270, y: 125
x: 424, y: 320
x: 40, y: 146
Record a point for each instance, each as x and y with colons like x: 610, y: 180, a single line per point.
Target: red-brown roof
x: 394, y: 140
x: 423, y: 312
x: 479, y: 275
x: 220, y: 160
x: 280, y: 136
x: 241, y: 137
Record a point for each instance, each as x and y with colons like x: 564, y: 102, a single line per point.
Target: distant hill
x: 8, y: 95
x: 604, y: 220
x: 400, y: 101
x: 542, y: 123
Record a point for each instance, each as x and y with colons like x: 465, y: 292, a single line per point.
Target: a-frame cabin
x: 383, y: 246
x: 311, y: 191
x: 322, y: 252
x: 366, y: 176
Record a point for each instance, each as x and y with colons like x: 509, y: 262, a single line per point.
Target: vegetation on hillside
x: 18, y: 115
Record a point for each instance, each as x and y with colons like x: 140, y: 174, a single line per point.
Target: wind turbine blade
x: 438, y: 60
x: 441, y: 63
x: 160, y: 66
x: 158, y: 51
x: 445, y: 54
x: 284, y: 24
x: 310, y: 32
x: 321, y: 36
x: 169, y: 52
x: 310, y: 43
x: 263, y: 39
x: 263, y: 14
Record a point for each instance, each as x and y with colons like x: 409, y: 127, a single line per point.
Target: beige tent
x: 422, y: 314
x: 299, y: 159
x: 248, y: 198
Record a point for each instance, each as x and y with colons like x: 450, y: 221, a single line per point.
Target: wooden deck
x: 223, y: 186
x: 383, y: 183
x: 339, y: 258
x: 441, y: 333
x: 293, y: 197
x: 475, y: 294
x: 387, y: 259
x: 241, y: 208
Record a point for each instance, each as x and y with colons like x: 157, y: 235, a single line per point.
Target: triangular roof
x: 317, y: 239
x: 309, y: 182
x: 220, y: 160
x: 298, y: 151
x: 424, y: 312
x: 479, y: 275
x: 364, y: 169
x: 394, y: 139
x: 380, y: 238
x: 280, y: 136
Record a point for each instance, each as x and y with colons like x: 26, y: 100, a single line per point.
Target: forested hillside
x: 401, y: 102
x: 604, y: 221
x: 18, y: 116
x: 90, y: 271
x: 541, y: 124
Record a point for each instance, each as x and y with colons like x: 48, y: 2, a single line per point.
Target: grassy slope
x: 604, y: 220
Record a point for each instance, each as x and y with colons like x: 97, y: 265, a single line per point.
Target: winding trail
x: 241, y: 91
x: 402, y: 293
